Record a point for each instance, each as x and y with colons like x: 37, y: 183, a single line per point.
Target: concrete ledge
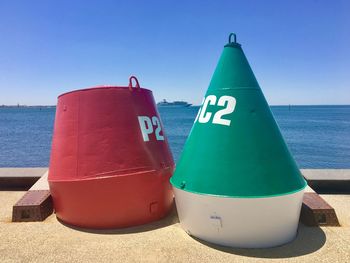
x: 20, y: 178
x: 328, y: 181
x: 336, y: 181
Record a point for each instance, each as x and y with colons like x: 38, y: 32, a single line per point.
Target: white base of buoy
x: 240, y: 222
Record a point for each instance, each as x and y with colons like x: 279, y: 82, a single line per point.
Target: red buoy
x: 110, y: 160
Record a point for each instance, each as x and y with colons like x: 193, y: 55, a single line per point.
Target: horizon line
x: 273, y: 105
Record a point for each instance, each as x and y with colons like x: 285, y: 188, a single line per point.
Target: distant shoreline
x: 285, y: 105
x: 27, y: 106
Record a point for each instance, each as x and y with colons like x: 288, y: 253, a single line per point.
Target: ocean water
x: 318, y: 136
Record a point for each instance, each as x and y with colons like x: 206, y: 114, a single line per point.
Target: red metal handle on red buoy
x: 130, y: 83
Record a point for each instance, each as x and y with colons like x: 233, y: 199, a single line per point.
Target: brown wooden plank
x: 35, y: 205
x: 316, y: 211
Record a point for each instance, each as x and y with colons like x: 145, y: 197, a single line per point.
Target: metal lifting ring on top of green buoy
x: 234, y: 38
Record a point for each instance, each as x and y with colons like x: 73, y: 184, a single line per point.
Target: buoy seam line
x: 105, y: 87
x: 240, y: 88
x: 105, y: 177
x: 234, y: 45
x: 243, y: 197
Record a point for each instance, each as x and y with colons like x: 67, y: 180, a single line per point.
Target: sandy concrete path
x: 163, y: 241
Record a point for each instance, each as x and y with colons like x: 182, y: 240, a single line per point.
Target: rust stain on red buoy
x: 110, y: 160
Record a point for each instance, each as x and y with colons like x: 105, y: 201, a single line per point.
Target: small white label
x: 216, y: 221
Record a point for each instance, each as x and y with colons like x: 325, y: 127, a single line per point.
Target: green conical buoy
x: 235, y: 158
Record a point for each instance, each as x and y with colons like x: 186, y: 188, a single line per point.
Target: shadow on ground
x: 170, y: 219
x: 308, y: 240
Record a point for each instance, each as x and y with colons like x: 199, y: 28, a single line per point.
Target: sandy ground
x: 163, y: 241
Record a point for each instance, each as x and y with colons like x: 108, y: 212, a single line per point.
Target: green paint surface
x: 248, y: 158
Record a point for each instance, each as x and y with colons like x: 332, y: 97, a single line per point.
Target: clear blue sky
x: 299, y: 50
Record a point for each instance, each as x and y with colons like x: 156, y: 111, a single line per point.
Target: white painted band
x: 240, y: 222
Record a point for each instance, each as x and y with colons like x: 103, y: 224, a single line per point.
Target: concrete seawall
x: 321, y: 180
x: 328, y: 181
x: 19, y: 178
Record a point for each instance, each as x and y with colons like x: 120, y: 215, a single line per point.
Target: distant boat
x: 164, y: 103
